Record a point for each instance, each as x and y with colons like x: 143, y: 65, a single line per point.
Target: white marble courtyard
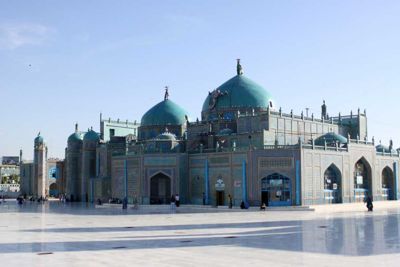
x: 63, y: 235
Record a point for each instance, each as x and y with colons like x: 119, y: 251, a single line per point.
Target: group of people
x: 62, y: 198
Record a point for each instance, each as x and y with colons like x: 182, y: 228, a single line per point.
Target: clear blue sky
x: 63, y: 62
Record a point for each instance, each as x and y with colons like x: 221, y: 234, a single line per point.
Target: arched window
x: 331, y: 179
x: 361, y: 175
x: 387, y: 184
x: 332, y: 185
x: 362, y: 180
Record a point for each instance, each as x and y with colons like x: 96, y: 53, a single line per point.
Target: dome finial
x: 76, y: 127
x: 166, y: 95
x: 239, y: 69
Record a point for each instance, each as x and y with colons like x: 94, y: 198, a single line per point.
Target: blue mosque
x: 243, y: 147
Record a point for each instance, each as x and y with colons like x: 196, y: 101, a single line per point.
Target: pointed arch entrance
x: 160, y: 189
x: 53, y: 190
x: 362, y: 180
x: 387, y: 184
x: 276, y: 190
x: 332, y: 185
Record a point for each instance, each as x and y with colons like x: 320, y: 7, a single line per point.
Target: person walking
x: 370, y: 206
x: 204, y: 199
x: 230, y: 201
x: 125, y: 203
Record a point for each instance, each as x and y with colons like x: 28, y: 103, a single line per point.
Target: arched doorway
x: 160, y: 189
x: 276, y: 190
x: 362, y: 180
x: 387, y: 184
x: 332, y: 185
x: 53, y: 190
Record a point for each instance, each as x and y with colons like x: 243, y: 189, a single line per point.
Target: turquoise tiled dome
x: 239, y: 92
x: 385, y: 149
x: 91, y: 136
x: 75, y: 137
x: 39, y: 139
x: 331, y: 139
x: 164, y: 113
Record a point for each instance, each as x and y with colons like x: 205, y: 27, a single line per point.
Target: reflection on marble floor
x: 39, y: 230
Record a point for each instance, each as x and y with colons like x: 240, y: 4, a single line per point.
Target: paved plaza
x: 55, y: 234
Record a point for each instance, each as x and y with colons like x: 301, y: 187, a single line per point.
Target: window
x: 112, y: 132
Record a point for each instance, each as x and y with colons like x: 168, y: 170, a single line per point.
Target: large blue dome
x: 164, y: 113
x: 238, y: 92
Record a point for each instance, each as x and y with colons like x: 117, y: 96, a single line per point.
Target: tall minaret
x: 39, y: 167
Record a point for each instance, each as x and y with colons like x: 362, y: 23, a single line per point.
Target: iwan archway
x: 276, y: 190
x: 362, y: 180
x: 53, y: 190
x: 387, y: 184
x: 332, y: 185
x: 160, y: 189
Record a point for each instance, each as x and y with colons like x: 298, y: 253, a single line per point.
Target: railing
x: 328, y: 148
x: 242, y: 149
x: 363, y: 142
x: 286, y: 115
x: 386, y: 154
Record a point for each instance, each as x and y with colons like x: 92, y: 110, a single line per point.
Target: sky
x: 63, y: 62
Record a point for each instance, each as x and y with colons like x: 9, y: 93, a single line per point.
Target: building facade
x: 242, y: 146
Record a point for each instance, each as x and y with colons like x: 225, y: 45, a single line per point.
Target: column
x: 126, y: 178
x: 206, y: 181
x: 396, y: 181
x: 244, y: 182
x: 298, y: 182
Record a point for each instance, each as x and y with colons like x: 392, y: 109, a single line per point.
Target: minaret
x: 39, y: 167
x: 20, y: 157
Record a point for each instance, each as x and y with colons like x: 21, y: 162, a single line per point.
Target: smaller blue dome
x: 385, y: 149
x: 39, y: 139
x: 91, y: 136
x: 164, y: 113
x: 75, y: 137
x: 330, y: 139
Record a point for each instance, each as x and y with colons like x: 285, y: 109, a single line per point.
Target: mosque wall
x: 110, y: 128
x: 287, y: 128
x: 316, y: 161
x: 26, y: 173
x: 263, y: 164
x: 223, y: 171
x: 387, y: 188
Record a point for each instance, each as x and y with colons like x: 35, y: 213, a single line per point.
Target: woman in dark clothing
x: 370, y: 206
